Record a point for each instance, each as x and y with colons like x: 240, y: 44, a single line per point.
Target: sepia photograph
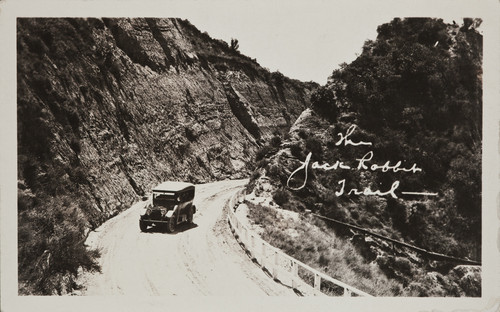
x: 311, y: 155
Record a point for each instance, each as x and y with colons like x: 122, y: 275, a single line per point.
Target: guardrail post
x: 295, y: 274
x: 347, y: 292
x: 317, y: 281
x: 275, y: 266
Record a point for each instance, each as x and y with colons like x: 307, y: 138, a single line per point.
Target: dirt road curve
x: 203, y: 259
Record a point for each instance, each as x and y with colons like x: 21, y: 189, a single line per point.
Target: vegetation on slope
x: 311, y: 241
x: 415, y: 93
x: 54, y: 207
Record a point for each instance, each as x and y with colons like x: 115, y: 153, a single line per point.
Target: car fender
x: 145, y: 210
x: 170, y: 213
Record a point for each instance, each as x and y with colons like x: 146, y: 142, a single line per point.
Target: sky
x: 302, y: 42
x: 306, y: 40
x: 303, y: 39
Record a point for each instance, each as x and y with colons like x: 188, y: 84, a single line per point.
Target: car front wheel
x: 143, y: 226
x: 171, y: 225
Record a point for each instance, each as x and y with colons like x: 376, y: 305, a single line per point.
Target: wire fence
x: 280, y: 266
x: 424, y: 252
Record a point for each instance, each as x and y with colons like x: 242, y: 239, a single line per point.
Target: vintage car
x: 171, y: 203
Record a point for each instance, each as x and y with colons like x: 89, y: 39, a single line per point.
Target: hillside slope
x: 412, y: 100
x: 107, y: 108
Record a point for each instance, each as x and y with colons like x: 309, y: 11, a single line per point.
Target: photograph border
x: 488, y: 11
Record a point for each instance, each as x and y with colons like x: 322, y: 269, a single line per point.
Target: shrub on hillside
x: 234, y: 44
x: 323, y: 100
x: 275, y: 141
x: 397, y: 213
x: 296, y: 151
x: 262, y: 163
x: 75, y: 145
x: 303, y: 134
x: 262, y: 152
x: 280, y: 197
x: 51, y: 243
x: 313, y: 145
x: 261, y: 214
x: 322, y: 250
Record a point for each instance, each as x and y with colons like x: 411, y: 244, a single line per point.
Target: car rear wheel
x: 171, y: 225
x: 190, y: 215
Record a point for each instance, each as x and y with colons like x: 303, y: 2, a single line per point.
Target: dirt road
x: 202, y: 259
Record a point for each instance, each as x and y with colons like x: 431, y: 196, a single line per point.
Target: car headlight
x: 163, y: 211
x: 148, y: 211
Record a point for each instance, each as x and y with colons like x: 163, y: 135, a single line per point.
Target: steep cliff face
x: 107, y: 108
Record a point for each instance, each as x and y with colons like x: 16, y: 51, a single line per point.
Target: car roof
x: 173, y: 186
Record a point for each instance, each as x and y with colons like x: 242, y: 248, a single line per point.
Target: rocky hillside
x: 107, y: 108
x: 405, y: 116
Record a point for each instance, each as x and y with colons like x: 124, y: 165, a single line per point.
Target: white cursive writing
x: 315, y: 165
x: 367, y: 190
x: 385, y: 167
x: 347, y: 141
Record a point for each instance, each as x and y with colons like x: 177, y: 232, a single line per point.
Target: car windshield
x: 164, y: 199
